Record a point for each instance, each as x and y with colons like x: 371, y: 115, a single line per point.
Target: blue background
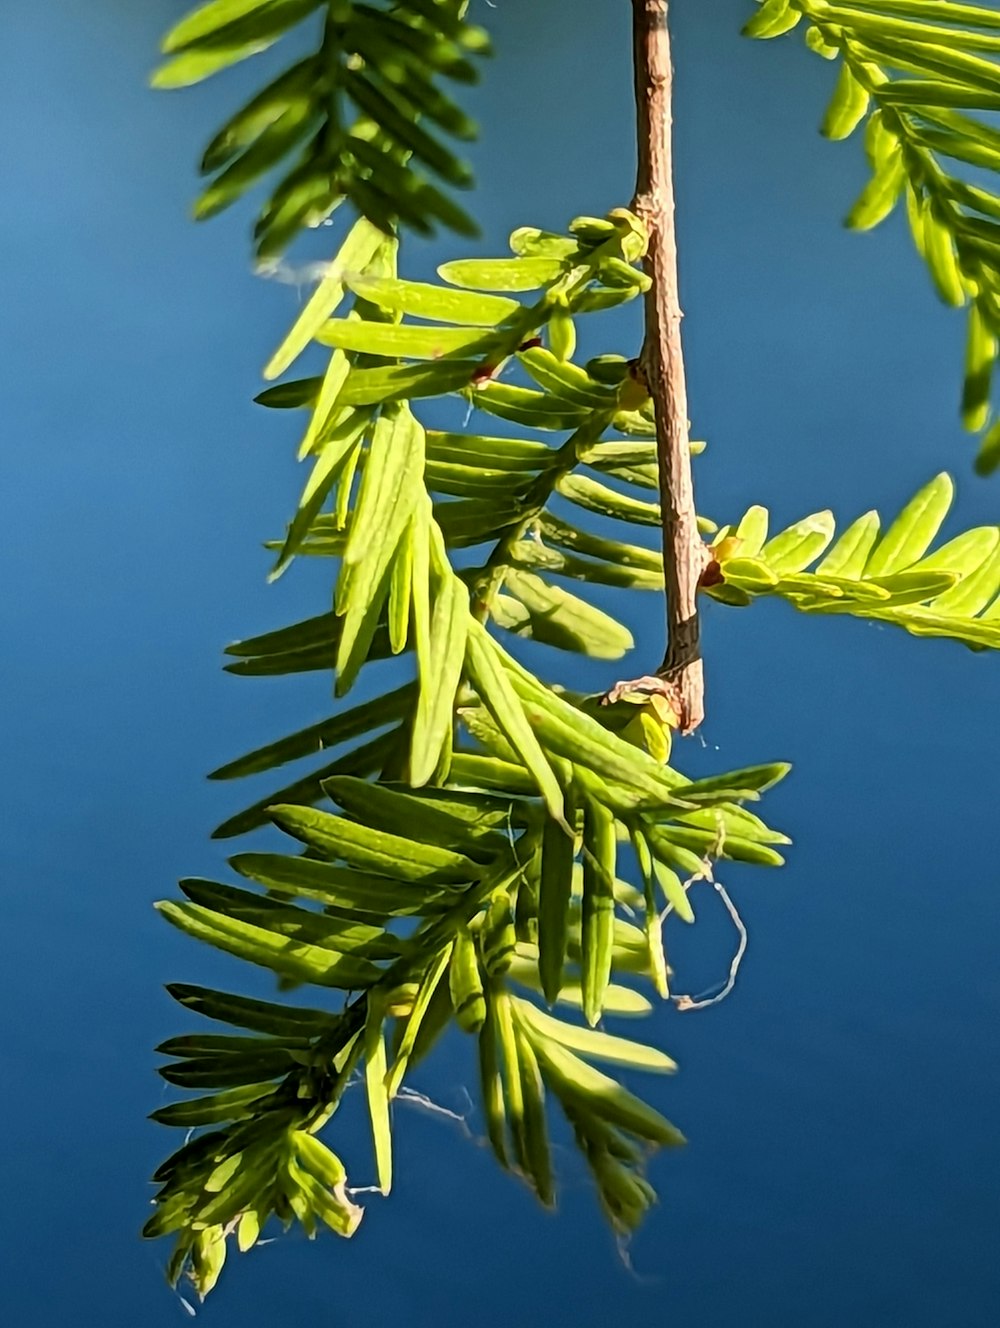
x: 841, y: 1106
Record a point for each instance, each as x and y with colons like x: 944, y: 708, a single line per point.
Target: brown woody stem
x: 662, y: 362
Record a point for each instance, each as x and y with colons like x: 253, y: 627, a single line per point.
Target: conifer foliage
x: 477, y: 847
x: 921, y: 80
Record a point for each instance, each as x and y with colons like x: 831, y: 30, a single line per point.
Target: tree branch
x: 662, y: 364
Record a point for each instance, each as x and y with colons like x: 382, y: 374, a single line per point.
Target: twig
x: 662, y: 364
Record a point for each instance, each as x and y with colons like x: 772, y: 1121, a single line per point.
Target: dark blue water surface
x: 842, y: 1105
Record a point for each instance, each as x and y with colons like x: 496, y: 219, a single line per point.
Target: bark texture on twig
x: 662, y: 363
